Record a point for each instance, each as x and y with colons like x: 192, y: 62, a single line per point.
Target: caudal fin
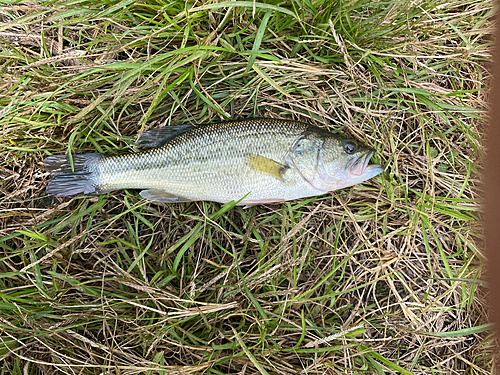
x: 83, y: 180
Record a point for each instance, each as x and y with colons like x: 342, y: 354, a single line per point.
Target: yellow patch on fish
x: 267, y: 166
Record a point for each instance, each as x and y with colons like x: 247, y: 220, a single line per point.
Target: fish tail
x: 84, y: 179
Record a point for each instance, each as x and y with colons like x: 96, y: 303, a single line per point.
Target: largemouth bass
x: 251, y: 161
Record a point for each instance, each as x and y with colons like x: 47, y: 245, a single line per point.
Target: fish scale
x: 259, y: 161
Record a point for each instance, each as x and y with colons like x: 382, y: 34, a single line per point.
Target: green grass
x: 382, y: 278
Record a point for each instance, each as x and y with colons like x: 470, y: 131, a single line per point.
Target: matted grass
x: 382, y: 278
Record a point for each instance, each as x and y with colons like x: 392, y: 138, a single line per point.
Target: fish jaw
x: 360, y: 168
x: 358, y: 165
x: 355, y: 172
x: 372, y: 170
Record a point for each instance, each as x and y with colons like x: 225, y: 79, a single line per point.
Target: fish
x: 251, y: 162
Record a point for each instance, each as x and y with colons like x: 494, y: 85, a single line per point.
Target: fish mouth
x: 360, y: 167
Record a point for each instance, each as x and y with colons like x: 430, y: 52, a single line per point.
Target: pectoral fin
x: 267, y: 166
x: 162, y: 196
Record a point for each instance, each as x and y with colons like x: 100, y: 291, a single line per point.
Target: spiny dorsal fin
x: 161, y: 136
x: 267, y: 166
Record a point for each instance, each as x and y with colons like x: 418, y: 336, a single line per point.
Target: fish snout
x: 360, y: 167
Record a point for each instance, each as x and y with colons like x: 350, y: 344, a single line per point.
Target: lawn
x: 386, y: 277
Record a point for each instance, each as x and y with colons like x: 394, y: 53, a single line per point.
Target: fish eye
x: 350, y: 147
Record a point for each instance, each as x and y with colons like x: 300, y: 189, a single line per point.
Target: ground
x: 386, y: 277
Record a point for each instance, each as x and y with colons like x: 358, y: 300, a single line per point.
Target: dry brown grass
x: 382, y: 278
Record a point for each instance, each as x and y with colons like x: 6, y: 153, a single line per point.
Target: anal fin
x: 256, y: 202
x: 162, y: 196
x: 267, y: 166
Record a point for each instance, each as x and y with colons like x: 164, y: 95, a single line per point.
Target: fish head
x: 329, y: 162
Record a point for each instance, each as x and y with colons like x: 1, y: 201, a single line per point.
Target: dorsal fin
x: 161, y: 136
